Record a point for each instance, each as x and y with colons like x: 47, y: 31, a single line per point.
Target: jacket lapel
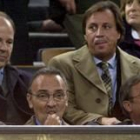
x: 129, y: 66
x: 12, y: 77
x: 83, y: 62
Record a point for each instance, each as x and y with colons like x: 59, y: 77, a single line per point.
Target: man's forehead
x: 48, y: 81
x: 102, y: 12
x: 48, y: 77
x: 136, y: 86
x: 47, y: 90
x: 5, y: 20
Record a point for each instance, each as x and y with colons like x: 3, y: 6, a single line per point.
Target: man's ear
x: 29, y: 99
x: 85, y: 37
x: 119, y: 36
x: 66, y: 103
x: 66, y: 100
x: 127, y: 106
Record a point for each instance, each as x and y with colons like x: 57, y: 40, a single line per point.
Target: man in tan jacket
x: 47, y: 96
x: 89, y: 100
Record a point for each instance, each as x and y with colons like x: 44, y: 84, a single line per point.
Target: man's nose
x: 51, y: 101
x: 99, y: 32
x: 3, y: 46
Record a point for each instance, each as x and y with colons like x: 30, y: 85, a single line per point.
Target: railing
x: 70, y: 132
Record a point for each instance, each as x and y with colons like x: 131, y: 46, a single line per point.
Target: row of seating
x: 44, y: 55
x: 48, y: 40
x: 44, y: 45
x: 38, y: 9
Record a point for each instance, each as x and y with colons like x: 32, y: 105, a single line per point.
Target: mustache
x: 99, y: 41
x: 50, y: 111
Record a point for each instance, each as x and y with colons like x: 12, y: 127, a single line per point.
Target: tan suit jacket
x: 88, y: 98
x: 32, y: 121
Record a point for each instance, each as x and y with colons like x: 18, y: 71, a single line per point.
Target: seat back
x: 28, y: 68
x: 46, y: 54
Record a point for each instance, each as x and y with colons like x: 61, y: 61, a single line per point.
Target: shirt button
x: 98, y: 100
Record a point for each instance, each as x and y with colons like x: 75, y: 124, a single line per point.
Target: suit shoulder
x: 133, y: 59
x: 69, y: 56
x: 129, y: 57
x: 63, y: 58
x: 19, y: 73
x: 65, y: 55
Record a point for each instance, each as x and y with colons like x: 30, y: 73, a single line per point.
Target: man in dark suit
x: 47, y: 96
x: 17, y: 10
x: 13, y: 82
x: 89, y: 97
x: 130, y: 100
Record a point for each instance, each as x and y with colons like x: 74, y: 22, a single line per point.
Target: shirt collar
x: 1, y: 75
x: 37, y: 121
x: 2, y: 71
x: 135, y: 34
x: 111, y: 62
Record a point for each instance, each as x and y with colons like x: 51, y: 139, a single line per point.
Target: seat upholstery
x: 46, y: 54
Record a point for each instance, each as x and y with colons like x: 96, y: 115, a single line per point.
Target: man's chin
x: 101, y: 55
x: 2, y: 64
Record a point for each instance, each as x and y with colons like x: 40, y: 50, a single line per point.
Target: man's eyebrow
x: 59, y: 90
x: 44, y: 90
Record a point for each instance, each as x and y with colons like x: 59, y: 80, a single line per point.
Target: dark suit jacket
x: 128, y: 43
x: 17, y: 10
x: 17, y: 82
x: 88, y: 98
x: 126, y: 122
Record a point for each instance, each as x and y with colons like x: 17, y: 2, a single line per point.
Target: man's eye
x: 59, y: 96
x: 9, y: 42
x: 94, y: 28
x: 42, y: 95
x: 107, y: 27
x: 129, y: 1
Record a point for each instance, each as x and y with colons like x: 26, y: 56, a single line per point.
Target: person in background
x: 96, y: 71
x: 130, y: 100
x: 13, y: 82
x: 47, y: 96
x: 69, y: 14
x: 131, y: 14
x: 18, y: 11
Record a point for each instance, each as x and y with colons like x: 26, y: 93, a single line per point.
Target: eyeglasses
x: 43, y: 96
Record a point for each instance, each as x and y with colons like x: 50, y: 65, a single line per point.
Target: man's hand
x: 52, y: 120
x: 69, y: 5
x: 108, y: 121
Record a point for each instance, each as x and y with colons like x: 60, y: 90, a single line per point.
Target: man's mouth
x: 51, y: 112
x: 133, y: 16
x: 100, y: 42
x: 3, y: 58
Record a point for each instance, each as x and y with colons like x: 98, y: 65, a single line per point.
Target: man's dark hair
x: 47, y: 71
x: 126, y: 91
x: 102, y: 6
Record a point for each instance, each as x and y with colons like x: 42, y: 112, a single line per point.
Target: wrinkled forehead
x: 5, y: 22
x: 102, y: 17
x: 48, y: 82
x: 102, y: 11
x: 130, y: 1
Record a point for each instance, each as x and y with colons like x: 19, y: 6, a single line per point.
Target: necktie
x: 107, y: 83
